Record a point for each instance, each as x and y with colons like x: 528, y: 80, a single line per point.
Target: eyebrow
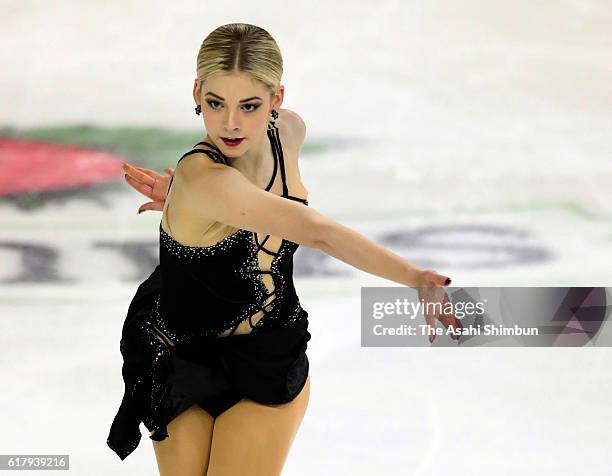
x: 223, y: 99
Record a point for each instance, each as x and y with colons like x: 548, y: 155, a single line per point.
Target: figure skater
x: 214, y: 342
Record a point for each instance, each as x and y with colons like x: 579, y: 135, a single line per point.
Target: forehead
x: 233, y: 86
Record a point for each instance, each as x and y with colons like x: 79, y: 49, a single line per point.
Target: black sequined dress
x: 175, y: 343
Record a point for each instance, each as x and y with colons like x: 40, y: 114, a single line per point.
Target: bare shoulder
x: 192, y: 169
x: 292, y: 127
x: 178, y: 217
x: 195, y: 164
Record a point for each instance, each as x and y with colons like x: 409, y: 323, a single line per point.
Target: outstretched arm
x: 221, y: 193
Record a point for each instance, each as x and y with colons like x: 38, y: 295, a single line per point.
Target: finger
x: 430, y: 319
x: 131, y: 168
x: 141, y: 187
x: 426, y: 297
x: 137, y: 184
x: 448, y: 319
x: 146, y: 175
x: 169, y: 170
x: 141, y: 174
x: 151, y: 173
x: 151, y: 206
x: 444, y: 280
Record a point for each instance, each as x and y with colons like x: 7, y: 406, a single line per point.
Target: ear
x: 278, y: 99
x: 196, y: 92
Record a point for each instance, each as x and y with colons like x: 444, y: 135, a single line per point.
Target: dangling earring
x: 274, y: 115
x: 198, y: 110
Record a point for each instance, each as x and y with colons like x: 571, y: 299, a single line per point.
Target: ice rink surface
x: 471, y: 137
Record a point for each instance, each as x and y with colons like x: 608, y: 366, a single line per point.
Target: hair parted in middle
x: 241, y: 47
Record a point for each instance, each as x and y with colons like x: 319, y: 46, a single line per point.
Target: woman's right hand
x: 150, y: 183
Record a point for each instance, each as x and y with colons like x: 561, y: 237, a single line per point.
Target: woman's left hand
x: 150, y: 183
x: 431, y: 290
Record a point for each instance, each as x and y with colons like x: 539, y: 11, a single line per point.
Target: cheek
x: 254, y: 123
x: 211, y: 121
x: 263, y: 114
x: 261, y: 118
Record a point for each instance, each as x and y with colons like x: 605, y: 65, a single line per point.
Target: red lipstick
x: 232, y: 142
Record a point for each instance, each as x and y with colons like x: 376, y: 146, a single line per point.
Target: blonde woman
x: 214, y: 342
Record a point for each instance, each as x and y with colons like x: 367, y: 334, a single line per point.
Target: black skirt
x: 162, y: 378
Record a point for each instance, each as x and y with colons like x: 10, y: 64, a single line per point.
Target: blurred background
x: 473, y: 138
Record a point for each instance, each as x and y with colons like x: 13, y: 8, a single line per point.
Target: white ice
x: 441, y: 114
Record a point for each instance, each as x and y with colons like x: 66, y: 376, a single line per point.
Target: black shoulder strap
x: 277, y: 149
x: 271, y: 138
x: 215, y: 154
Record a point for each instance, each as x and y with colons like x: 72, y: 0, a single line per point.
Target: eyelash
x: 209, y: 102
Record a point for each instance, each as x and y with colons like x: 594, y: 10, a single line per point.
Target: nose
x: 231, y: 122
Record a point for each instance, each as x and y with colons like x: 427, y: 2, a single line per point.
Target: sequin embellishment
x: 149, y: 396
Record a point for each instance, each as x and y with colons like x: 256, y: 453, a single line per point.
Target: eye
x: 210, y: 103
x: 254, y: 106
x: 216, y: 105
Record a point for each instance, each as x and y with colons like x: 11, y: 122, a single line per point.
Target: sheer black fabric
x: 179, y: 344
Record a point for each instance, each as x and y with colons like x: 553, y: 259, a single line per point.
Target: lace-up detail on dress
x: 258, y: 291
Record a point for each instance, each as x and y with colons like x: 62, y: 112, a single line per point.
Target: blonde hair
x: 241, y: 47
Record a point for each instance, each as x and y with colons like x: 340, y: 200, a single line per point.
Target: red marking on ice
x: 28, y: 166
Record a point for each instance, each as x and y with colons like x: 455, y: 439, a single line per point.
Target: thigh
x: 252, y: 439
x: 186, y: 450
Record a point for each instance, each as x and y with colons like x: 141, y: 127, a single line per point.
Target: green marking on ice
x: 153, y: 148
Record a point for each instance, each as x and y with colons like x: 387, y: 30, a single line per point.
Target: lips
x: 232, y: 142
